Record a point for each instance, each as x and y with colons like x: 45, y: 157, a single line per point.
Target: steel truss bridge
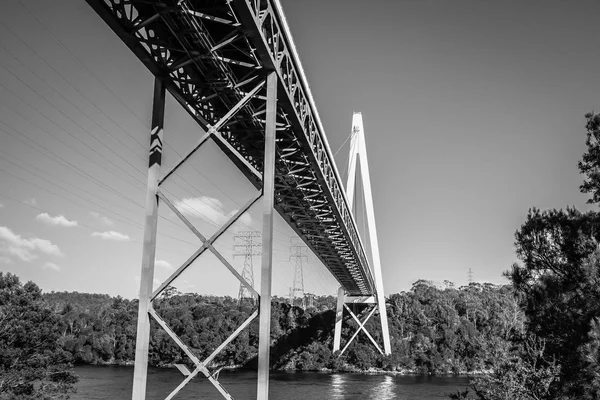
x: 233, y: 67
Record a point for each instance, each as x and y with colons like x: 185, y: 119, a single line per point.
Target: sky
x: 473, y: 113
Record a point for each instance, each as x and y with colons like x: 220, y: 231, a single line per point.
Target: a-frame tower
x: 358, y: 155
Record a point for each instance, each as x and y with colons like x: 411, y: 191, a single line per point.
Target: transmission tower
x: 470, y: 275
x: 298, y: 253
x: 247, y: 244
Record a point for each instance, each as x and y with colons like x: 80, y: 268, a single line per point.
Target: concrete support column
x: 339, y: 313
x: 266, y: 271
x: 149, y: 249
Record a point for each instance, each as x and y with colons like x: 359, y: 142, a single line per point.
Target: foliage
x: 521, y: 375
x: 590, y: 162
x: 437, y: 331
x: 32, y: 364
x: 557, y: 286
x: 433, y: 330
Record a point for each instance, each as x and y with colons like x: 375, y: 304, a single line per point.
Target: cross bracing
x: 211, y: 54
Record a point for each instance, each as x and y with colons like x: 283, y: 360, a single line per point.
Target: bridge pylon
x: 376, y: 302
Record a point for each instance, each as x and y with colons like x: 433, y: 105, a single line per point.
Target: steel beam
x: 150, y: 229
x: 266, y: 271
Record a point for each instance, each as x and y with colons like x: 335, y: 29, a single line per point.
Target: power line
x: 64, y: 129
x: 77, y: 170
x: 6, y: 196
x: 120, y: 176
x: 91, y: 102
x: 64, y: 79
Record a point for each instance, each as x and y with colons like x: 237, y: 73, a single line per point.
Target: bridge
x: 233, y: 67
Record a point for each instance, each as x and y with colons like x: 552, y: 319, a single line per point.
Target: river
x: 114, y: 383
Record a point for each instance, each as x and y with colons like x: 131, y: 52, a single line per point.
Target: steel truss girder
x: 171, y: 36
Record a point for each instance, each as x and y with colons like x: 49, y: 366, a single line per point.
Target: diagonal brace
x: 200, y: 366
x: 206, y: 243
x: 361, y: 326
x: 202, y: 248
x: 214, y: 129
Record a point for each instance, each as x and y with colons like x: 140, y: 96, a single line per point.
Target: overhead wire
x: 57, y: 91
x: 217, y: 206
x: 210, y: 220
x: 75, y: 137
x: 113, y: 214
x: 74, y: 168
x: 95, y: 229
x: 125, y: 104
x: 106, y: 86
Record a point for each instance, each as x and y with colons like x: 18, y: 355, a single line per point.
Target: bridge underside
x: 210, y: 55
x: 233, y: 66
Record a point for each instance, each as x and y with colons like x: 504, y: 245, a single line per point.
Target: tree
x: 590, y: 162
x: 557, y: 288
x: 32, y: 364
x: 523, y: 375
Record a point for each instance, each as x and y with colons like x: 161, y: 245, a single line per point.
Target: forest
x: 433, y: 330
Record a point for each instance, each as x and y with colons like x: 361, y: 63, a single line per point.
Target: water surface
x: 109, y: 382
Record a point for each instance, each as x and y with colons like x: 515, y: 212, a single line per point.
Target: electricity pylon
x: 247, y: 244
x: 298, y: 253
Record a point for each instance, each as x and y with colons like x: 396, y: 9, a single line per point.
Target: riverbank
x: 346, y: 368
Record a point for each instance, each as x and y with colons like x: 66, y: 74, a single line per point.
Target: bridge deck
x: 210, y: 54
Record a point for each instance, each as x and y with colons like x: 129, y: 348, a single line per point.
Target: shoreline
x: 371, y: 371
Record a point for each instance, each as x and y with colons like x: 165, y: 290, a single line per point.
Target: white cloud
x: 111, y: 235
x: 57, y: 220
x: 30, y: 202
x: 204, y: 207
x: 51, y: 266
x: 163, y: 264
x: 25, y: 249
x: 105, y: 220
x: 5, y: 260
x: 1, y: 205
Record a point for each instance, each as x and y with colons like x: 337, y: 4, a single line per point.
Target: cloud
x: 51, y: 266
x: 1, y: 205
x: 25, y: 249
x: 5, y: 260
x: 30, y: 202
x: 111, y: 235
x: 59, y: 220
x: 105, y: 220
x: 204, y: 207
x: 163, y: 264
